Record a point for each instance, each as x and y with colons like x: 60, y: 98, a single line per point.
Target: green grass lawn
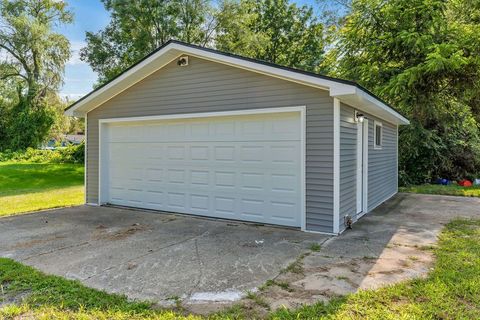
x: 450, y: 190
x: 28, y: 187
x: 450, y: 291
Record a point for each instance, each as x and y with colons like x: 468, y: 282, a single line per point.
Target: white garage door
x: 235, y: 167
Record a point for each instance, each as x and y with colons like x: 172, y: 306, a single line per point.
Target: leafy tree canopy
x: 272, y: 30
x: 34, y: 56
x: 139, y: 27
x: 32, y: 60
x: 423, y: 56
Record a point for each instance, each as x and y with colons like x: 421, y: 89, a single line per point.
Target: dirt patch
x: 105, y: 233
x: 324, y: 277
x: 7, y: 298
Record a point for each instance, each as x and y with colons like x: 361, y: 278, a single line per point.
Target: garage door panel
x: 253, y: 153
x: 253, y: 208
x: 199, y: 153
x: 242, y: 167
x: 225, y: 206
x: 155, y: 175
x: 200, y: 178
x: 175, y: 153
x: 154, y: 196
x: 224, y: 153
x: 176, y: 200
x: 200, y: 202
x: 252, y: 181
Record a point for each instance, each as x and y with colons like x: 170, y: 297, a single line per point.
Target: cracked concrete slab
x: 152, y: 256
x: 210, y: 263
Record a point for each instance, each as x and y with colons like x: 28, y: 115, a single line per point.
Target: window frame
x: 375, y: 125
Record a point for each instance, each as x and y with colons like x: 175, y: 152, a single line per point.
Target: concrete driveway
x: 157, y: 256
x: 153, y: 256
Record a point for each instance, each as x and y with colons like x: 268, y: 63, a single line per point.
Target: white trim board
x: 396, y: 165
x: 359, y: 168
x: 205, y: 114
x: 365, y: 166
x: 336, y: 165
x: 85, y: 160
x: 362, y: 169
x: 171, y: 51
x: 300, y: 109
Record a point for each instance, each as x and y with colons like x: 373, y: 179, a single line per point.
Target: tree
x: 31, y: 69
x: 139, y: 27
x: 272, y: 30
x: 421, y: 56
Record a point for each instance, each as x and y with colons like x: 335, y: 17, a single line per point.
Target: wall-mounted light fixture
x: 359, y: 117
x: 182, y: 61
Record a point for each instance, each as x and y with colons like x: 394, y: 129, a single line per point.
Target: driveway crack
x: 55, y: 250
x: 147, y: 254
x: 200, y: 267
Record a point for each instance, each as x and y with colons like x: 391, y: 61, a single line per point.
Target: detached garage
x: 197, y: 131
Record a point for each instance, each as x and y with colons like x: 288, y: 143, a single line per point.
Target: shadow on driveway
x: 388, y: 245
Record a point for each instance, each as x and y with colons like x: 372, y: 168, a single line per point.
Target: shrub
x: 70, y: 154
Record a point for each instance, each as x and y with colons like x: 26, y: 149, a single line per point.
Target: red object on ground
x: 465, y: 183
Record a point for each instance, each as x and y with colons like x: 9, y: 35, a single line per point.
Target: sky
x: 89, y: 15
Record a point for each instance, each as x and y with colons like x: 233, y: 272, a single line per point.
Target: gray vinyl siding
x: 382, y: 164
x: 206, y: 86
x: 348, y: 164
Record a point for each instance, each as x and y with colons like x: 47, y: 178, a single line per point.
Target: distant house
x: 197, y: 131
x: 74, y: 138
x: 68, y: 139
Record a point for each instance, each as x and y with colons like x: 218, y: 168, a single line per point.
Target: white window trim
x: 379, y: 124
x: 300, y: 109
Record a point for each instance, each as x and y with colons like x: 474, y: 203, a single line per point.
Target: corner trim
x: 366, y: 126
x: 336, y: 165
x: 85, y: 155
x: 396, y: 171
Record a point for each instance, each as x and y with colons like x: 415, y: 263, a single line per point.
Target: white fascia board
x: 383, y: 107
x: 368, y: 103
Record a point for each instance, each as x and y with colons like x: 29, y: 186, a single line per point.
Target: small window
x: 378, y: 135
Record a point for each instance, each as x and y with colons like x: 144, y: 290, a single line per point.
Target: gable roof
x: 347, y: 91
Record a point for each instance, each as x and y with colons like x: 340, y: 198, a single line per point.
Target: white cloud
x: 75, y: 46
